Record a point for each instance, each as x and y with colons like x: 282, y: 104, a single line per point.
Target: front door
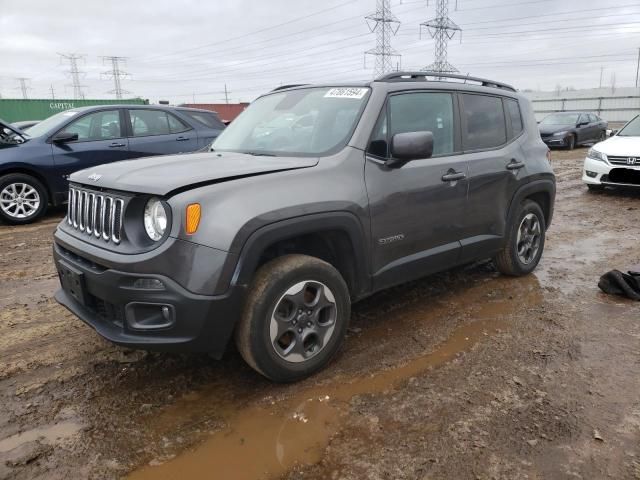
x: 100, y: 140
x: 417, y: 209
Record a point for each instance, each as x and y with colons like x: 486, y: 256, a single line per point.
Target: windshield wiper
x: 260, y: 154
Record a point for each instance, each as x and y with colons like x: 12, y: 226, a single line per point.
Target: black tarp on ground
x: 627, y: 284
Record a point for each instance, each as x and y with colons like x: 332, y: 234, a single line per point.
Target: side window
x: 176, y: 125
x: 102, y: 125
x: 584, y: 118
x: 431, y: 112
x: 593, y: 118
x: 209, y: 119
x: 485, y: 122
x: 513, y: 113
x: 149, y: 122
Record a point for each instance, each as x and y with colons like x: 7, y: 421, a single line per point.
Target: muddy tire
x: 525, y: 241
x: 22, y: 198
x: 570, y: 142
x: 295, y: 318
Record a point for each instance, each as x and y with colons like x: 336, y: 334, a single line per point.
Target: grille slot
x: 96, y: 214
x: 624, y: 160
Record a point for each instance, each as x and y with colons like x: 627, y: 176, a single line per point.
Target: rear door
x: 492, y: 130
x: 101, y: 139
x: 587, y: 129
x: 416, y: 210
x: 158, y: 132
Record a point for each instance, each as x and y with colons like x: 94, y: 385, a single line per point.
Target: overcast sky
x: 186, y: 50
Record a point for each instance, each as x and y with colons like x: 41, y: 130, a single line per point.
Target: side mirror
x: 64, y: 137
x: 613, y: 133
x: 582, y: 124
x: 410, y: 146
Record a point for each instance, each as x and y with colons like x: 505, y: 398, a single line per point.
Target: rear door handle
x: 116, y: 145
x: 182, y: 139
x: 515, y: 165
x: 453, y: 176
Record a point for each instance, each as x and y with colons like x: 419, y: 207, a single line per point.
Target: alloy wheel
x: 19, y: 200
x: 528, y: 240
x: 303, y: 321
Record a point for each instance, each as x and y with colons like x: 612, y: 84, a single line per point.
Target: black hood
x: 548, y: 129
x: 167, y: 174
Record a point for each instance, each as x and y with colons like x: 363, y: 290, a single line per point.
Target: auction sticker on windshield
x: 346, y: 92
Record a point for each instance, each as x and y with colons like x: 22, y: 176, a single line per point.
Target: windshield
x: 50, y: 123
x: 561, y: 119
x: 631, y: 129
x: 303, y: 122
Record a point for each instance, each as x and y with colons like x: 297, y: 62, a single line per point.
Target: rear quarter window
x: 210, y: 120
x: 514, y: 116
x: 484, y: 122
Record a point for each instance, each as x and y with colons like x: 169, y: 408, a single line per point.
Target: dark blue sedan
x: 34, y: 165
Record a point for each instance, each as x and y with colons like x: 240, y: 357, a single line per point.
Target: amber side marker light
x: 193, y: 218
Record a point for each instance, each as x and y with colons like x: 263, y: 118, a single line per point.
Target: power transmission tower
x: 24, y: 88
x: 442, y: 29
x: 73, y: 58
x: 384, y: 23
x: 116, y: 74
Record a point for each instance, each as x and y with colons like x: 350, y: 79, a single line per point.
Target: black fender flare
x: 267, y: 235
x: 542, y: 186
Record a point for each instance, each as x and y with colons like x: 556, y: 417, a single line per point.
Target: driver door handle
x: 182, y: 139
x: 515, y: 165
x: 453, y: 176
x: 116, y: 144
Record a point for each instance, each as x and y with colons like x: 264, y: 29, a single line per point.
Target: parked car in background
x: 269, y: 238
x: 570, y: 129
x: 616, y: 161
x: 26, y: 124
x: 34, y: 165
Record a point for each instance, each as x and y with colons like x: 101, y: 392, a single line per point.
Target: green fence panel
x: 15, y: 110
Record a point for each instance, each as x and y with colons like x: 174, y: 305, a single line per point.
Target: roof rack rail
x: 282, y: 87
x: 416, y: 76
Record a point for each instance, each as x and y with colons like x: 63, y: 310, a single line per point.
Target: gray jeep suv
x: 314, y: 198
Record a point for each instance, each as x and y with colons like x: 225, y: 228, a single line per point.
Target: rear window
x: 484, y: 122
x: 514, y: 116
x: 210, y: 120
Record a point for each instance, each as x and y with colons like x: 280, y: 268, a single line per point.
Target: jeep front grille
x: 95, y: 213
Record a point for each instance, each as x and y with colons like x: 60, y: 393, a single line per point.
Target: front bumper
x: 171, y: 319
x: 596, y: 172
x: 555, y: 141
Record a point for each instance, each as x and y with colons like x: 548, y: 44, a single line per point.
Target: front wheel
x: 525, y: 241
x: 22, y: 198
x: 570, y: 142
x: 294, y: 319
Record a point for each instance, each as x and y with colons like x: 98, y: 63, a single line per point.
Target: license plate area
x: 72, y: 281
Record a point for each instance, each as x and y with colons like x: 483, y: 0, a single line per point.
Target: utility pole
x: 384, y: 23
x: 116, y: 74
x: 226, y: 94
x: 442, y: 29
x: 601, y: 72
x: 73, y: 58
x: 23, y: 87
x: 638, y: 67
x: 53, y: 94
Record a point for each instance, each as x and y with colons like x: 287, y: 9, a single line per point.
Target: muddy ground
x: 461, y: 375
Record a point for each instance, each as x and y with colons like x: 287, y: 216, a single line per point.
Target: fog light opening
x: 591, y: 174
x: 148, y: 284
x: 149, y: 316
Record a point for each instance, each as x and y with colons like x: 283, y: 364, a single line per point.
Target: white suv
x: 616, y: 161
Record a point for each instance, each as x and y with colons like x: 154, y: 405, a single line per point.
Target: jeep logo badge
x: 96, y: 176
x: 632, y: 161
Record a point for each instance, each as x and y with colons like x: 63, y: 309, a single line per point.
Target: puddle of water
x: 49, y: 435
x: 265, y: 443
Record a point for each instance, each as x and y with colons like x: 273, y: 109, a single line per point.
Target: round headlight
x: 155, y: 219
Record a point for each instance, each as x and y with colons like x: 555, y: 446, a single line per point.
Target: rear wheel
x: 22, y: 198
x: 603, y: 136
x: 295, y: 317
x: 525, y: 241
